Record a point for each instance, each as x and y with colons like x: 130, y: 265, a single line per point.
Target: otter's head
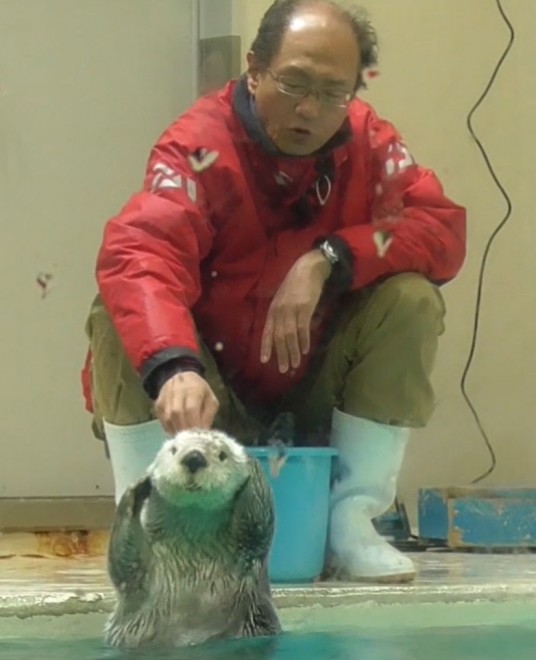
x: 199, y: 467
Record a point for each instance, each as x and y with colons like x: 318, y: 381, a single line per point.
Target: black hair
x: 277, y: 18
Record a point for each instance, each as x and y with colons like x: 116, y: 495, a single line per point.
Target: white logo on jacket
x: 166, y: 178
x: 202, y: 160
x: 399, y: 160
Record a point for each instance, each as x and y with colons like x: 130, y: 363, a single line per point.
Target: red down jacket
x: 210, y: 237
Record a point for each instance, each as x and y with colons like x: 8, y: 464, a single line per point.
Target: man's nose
x: 309, y: 107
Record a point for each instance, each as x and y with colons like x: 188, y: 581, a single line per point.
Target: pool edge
x: 325, y: 596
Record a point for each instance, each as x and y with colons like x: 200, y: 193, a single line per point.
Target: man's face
x: 318, y: 49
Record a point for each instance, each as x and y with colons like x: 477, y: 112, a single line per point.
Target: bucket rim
x: 293, y: 451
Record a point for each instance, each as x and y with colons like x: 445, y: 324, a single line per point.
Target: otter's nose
x: 194, y: 461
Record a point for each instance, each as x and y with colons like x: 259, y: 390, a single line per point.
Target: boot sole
x: 403, y: 578
x: 342, y: 576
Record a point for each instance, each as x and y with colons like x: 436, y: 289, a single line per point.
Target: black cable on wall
x: 489, y: 243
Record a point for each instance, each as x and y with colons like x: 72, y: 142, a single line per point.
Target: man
x: 284, y: 256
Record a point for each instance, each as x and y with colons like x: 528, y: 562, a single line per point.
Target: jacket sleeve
x: 413, y: 226
x: 148, y: 267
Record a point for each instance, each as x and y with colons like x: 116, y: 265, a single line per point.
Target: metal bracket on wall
x: 219, y: 62
x: 219, y: 52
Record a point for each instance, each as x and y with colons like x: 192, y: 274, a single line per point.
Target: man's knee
x: 410, y: 297
x: 100, y: 329
x: 116, y: 388
x: 393, y: 339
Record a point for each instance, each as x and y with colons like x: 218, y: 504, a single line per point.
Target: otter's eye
x: 173, y: 450
x: 222, y: 456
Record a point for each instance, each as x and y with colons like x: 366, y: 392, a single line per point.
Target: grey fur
x: 188, y: 553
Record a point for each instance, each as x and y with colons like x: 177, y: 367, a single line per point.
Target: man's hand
x: 186, y: 401
x: 288, y: 323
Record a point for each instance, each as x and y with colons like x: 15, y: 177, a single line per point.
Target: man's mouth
x: 301, y: 131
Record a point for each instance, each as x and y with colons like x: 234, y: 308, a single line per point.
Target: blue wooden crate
x: 475, y: 517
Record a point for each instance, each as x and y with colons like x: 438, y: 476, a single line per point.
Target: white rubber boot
x: 370, y: 459
x: 132, y: 449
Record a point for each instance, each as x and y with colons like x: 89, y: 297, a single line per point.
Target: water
x: 445, y: 643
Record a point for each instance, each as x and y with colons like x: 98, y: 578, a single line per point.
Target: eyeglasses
x: 298, y: 89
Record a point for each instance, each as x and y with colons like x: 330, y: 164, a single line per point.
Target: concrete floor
x: 50, y: 585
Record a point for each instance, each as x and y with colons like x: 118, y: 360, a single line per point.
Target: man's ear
x: 253, y: 72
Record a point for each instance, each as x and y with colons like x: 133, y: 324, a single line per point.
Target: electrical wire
x: 489, y: 244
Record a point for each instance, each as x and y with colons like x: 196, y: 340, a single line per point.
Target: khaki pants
x: 376, y: 364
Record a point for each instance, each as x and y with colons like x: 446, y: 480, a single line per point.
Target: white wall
x: 85, y: 89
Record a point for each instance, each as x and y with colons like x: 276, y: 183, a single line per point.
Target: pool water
x: 485, y: 642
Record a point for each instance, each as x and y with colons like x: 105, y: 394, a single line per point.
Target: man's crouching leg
x: 374, y: 383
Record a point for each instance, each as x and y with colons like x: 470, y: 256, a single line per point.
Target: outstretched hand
x: 288, y: 324
x: 186, y: 401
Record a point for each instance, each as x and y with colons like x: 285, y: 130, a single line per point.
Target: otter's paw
x: 134, y: 497
x: 142, y: 490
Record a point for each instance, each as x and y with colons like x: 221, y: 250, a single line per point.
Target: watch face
x: 329, y: 252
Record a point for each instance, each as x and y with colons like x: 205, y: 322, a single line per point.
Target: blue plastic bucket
x: 301, y: 496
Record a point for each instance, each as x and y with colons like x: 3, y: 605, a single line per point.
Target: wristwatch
x: 329, y: 252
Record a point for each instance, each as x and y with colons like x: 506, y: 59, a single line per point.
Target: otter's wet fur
x: 189, y: 547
